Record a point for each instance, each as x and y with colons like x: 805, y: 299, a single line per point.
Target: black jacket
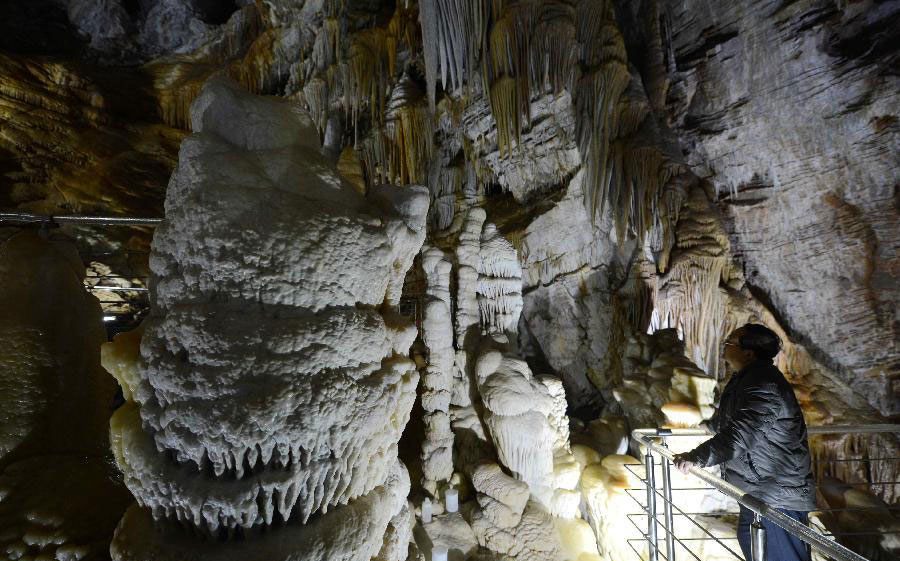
x: 761, y: 439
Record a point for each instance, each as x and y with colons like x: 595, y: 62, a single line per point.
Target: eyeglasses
x: 732, y: 343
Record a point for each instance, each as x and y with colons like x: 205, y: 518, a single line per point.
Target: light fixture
x: 109, y: 318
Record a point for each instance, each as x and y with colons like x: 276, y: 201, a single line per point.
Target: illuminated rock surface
x: 237, y: 426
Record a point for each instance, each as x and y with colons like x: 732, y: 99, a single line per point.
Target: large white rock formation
x: 437, y: 381
x: 274, y: 384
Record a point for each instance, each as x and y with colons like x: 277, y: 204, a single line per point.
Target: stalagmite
x: 468, y: 259
x: 604, y: 487
x: 120, y: 358
x: 858, y: 512
x: 610, y: 434
x: 437, y: 333
x: 466, y: 320
x: 660, y: 385
x: 272, y: 388
x: 518, y: 407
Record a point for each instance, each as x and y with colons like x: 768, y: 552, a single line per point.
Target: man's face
x: 735, y: 356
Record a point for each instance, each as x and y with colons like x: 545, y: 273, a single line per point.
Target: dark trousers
x: 780, y: 545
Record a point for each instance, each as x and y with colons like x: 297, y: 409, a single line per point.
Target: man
x: 760, y: 440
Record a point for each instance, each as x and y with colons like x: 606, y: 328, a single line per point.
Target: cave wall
x: 790, y: 109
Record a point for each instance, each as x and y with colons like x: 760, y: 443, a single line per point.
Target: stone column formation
x: 467, y: 328
x: 273, y: 385
x: 437, y: 333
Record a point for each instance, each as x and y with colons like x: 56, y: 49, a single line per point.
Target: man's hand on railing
x: 682, y: 463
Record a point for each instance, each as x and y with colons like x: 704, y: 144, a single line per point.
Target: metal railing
x: 654, y: 441
x: 130, y: 296
x: 27, y: 218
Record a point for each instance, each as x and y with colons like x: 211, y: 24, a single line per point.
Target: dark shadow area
x: 215, y: 12
x: 38, y: 28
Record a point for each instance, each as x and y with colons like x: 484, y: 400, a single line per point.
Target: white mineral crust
x: 272, y: 386
x: 437, y: 332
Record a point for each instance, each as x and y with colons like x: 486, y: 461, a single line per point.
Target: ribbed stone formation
x: 273, y: 384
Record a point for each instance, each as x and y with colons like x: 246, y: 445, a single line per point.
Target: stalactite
x: 507, y: 84
x: 365, y: 74
x: 447, y: 183
x: 179, y: 85
x: 428, y: 20
x: 453, y: 35
x: 506, y: 109
x: 399, y: 150
x: 655, y: 73
x: 689, y: 296
x: 604, y: 80
x: 350, y: 170
x: 253, y: 70
x: 401, y: 33
x: 316, y: 94
x: 411, y: 128
x: 669, y: 205
x: 483, y: 174
x: 553, y: 55
x: 327, y: 46
x: 237, y: 37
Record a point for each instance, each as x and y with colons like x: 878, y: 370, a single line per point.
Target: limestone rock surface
x: 792, y: 112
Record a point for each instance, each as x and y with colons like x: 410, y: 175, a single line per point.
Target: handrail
x: 861, y: 429
x: 821, y: 429
x: 831, y: 548
x: 25, y: 217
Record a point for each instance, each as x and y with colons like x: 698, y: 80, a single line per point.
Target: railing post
x: 667, y: 508
x: 651, y: 506
x: 757, y: 539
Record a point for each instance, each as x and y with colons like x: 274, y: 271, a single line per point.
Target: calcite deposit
x: 802, y: 152
x: 273, y: 384
x: 437, y: 382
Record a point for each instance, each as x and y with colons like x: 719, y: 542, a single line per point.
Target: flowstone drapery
x: 273, y: 384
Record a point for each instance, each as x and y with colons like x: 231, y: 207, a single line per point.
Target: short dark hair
x: 764, y: 343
